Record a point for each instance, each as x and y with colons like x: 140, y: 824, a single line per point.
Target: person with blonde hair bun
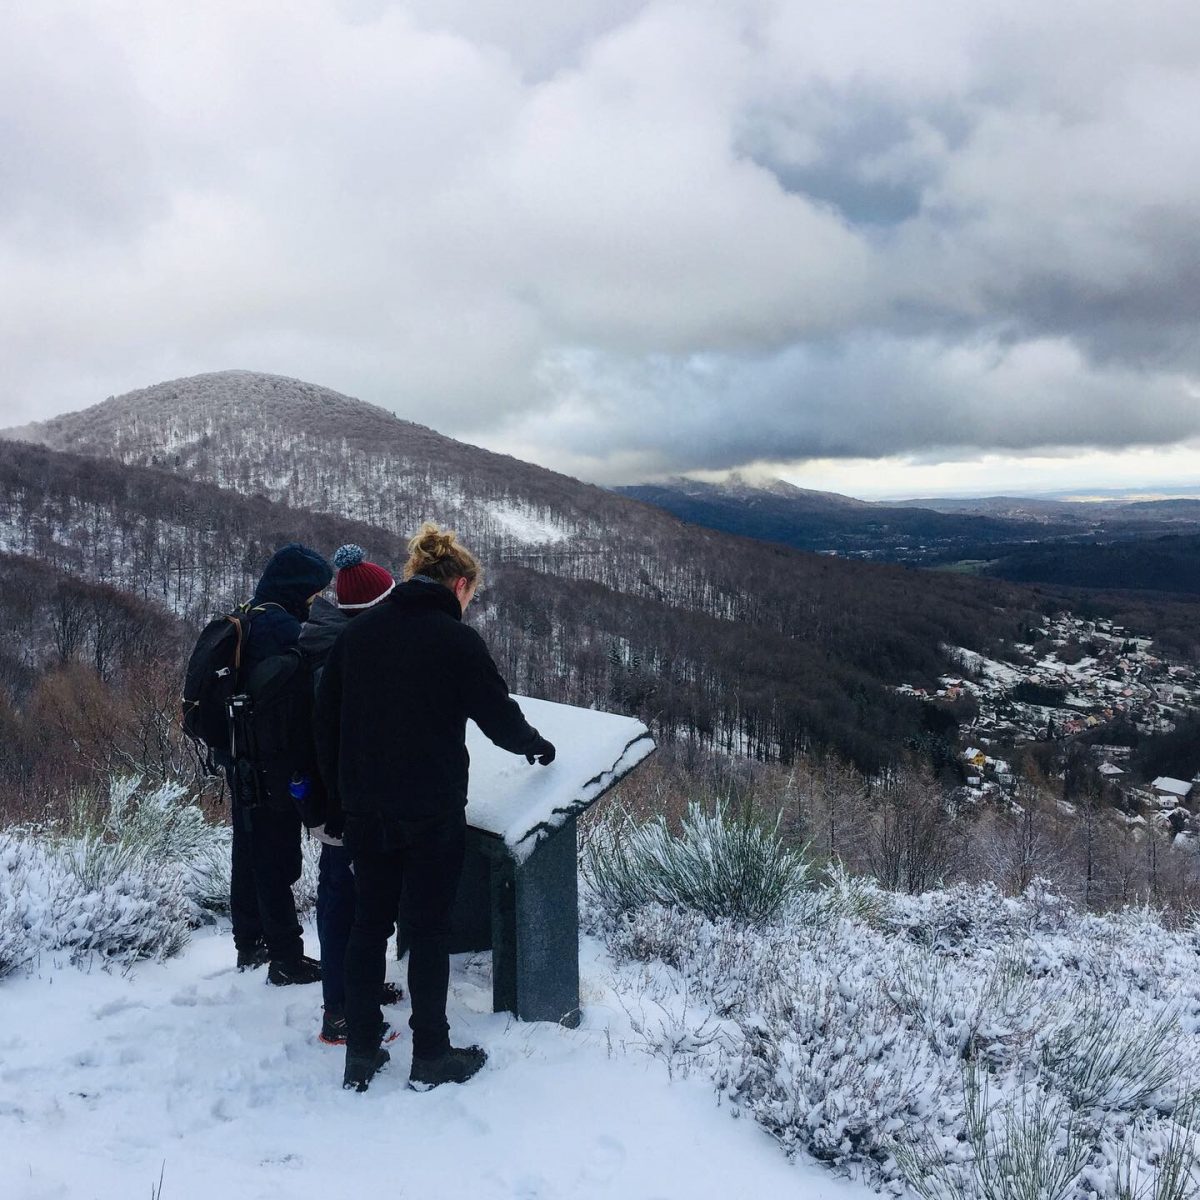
x: 392, y: 708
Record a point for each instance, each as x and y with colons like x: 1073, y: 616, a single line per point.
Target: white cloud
x: 618, y: 236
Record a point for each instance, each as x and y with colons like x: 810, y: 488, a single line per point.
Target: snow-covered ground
x: 525, y: 526
x: 189, y: 1069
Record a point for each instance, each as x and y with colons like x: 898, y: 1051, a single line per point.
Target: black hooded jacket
x: 293, y: 573
x: 393, y: 703
x: 278, y: 679
x: 325, y: 622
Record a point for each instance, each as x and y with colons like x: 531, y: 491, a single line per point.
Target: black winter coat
x: 393, y: 703
x: 279, y: 680
x: 325, y: 622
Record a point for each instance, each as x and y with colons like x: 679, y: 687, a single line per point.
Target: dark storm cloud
x: 872, y: 396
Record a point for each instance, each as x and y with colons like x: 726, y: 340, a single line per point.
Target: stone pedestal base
x: 527, y: 914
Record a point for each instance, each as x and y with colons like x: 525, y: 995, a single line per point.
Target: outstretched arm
x: 490, y: 706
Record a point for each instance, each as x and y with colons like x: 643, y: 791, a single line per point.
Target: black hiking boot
x: 333, y: 1030
x: 392, y: 993
x: 298, y: 970
x: 362, y: 1068
x: 454, y: 1066
x: 253, y: 956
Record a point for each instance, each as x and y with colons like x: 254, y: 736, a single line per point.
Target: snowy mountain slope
x: 314, y: 448
x: 748, y: 647
x: 190, y: 1070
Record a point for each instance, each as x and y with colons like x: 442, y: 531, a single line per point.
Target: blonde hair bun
x: 438, y: 554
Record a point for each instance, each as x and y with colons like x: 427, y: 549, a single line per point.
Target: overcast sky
x: 880, y: 247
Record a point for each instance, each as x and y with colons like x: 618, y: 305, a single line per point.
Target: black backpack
x: 213, y: 678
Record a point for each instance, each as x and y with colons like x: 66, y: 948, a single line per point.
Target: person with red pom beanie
x: 358, y: 585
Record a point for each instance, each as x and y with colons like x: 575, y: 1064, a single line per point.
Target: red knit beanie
x: 359, y: 584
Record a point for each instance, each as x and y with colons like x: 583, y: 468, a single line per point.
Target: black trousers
x: 266, y: 862
x: 413, y: 867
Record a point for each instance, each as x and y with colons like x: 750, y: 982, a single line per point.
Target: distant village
x: 1076, y: 677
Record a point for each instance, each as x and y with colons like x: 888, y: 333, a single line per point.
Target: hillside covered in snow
x: 313, y: 448
x: 177, y: 493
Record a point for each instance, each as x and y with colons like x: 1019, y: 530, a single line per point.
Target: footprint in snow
x: 606, y: 1157
x: 292, y: 1161
x: 531, y: 1187
x: 191, y: 997
x: 303, y: 1017
x: 114, y: 1008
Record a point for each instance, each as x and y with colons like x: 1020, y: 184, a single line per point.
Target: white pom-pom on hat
x: 348, y: 555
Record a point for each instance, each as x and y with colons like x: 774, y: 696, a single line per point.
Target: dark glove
x: 542, y: 750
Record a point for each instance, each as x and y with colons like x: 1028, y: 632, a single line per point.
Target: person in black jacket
x: 359, y: 585
x: 266, y: 824
x: 392, y: 707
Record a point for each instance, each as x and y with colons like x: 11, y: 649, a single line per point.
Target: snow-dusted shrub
x: 856, y: 897
x: 305, y: 888
x: 812, y: 1049
x: 128, y: 876
x: 1158, y: 1159
x: 1026, y: 1147
x: 945, y: 920
x: 14, y: 885
x: 1105, y: 1054
x: 984, y: 1015
x: 105, y: 898
x: 685, y: 1035
x: 954, y: 917
x: 1044, y: 908
x: 153, y: 827
x: 158, y: 825
x: 827, y: 1069
x: 84, y: 896
x: 985, y: 1048
x: 656, y: 933
x: 208, y: 869
x: 721, y: 864
x: 208, y: 875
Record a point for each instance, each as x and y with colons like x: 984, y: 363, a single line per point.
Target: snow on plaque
x: 524, y: 804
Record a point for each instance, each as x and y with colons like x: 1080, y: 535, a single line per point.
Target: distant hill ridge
x: 813, y: 520
x: 1105, y: 508
x: 742, y: 487
x: 1146, y: 545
